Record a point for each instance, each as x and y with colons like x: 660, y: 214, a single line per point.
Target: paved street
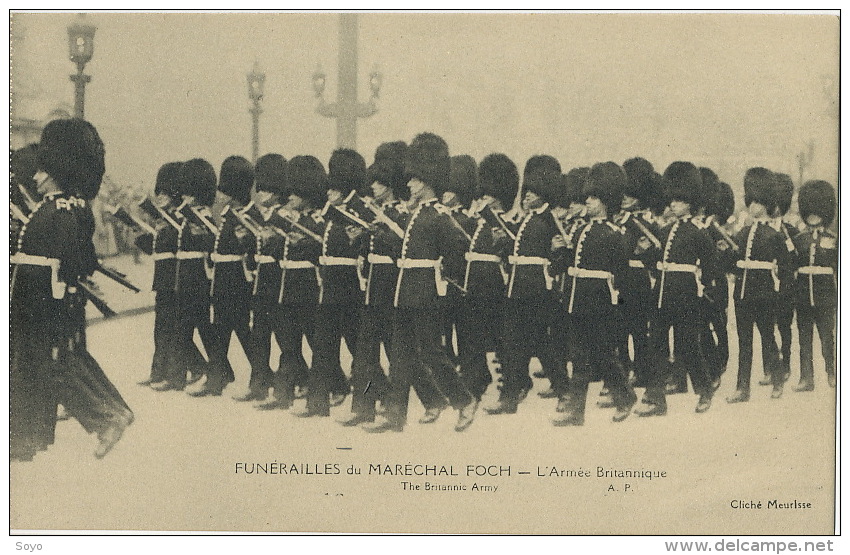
x: 176, y: 467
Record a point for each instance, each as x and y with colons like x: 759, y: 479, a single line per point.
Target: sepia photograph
x: 482, y: 272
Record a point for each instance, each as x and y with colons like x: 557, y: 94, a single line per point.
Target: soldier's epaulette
x: 64, y: 204
x: 616, y: 227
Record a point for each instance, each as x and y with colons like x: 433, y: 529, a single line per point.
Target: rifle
x: 18, y: 213
x: 116, y: 276
x: 31, y: 203
x: 287, y: 224
x: 645, y: 231
x: 247, y: 221
x: 96, y: 300
x: 157, y: 213
x: 726, y: 236
x: 194, y: 215
x: 495, y: 221
x: 367, y: 212
x: 129, y: 220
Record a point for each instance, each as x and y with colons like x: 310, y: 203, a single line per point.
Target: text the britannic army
x: 611, y: 273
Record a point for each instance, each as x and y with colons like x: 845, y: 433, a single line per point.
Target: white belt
x: 337, y: 261
x: 528, y: 260
x: 816, y: 270
x: 676, y: 267
x: 265, y: 259
x: 296, y: 264
x: 163, y: 255
x: 756, y: 265
x: 57, y: 287
x: 636, y: 264
x: 593, y: 274
x: 407, y: 263
x: 379, y: 259
x: 188, y: 255
x: 481, y: 257
x: 218, y: 257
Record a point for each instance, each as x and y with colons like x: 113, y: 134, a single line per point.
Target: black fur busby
x: 541, y: 162
x: 499, y: 178
x: 236, y: 178
x: 606, y: 181
x: 784, y: 192
x: 346, y: 171
x: 23, y: 163
x: 760, y: 187
x: 722, y: 206
x: 270, y: 174
x: 573, y: 192
x: 545, y: 184
x: 71, y: 152
x: 427, y: 159
x: 463, y: 178
x: 167, y: 180
x: 660, y: 199
x: 710, y: 187
x: 197, y: 179
x: 388, y: 168
x: 684, y: 183
x: 639, y: 183
x: 306, y: 178
x: 818, y: 198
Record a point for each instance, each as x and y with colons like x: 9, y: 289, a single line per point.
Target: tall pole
x: 255, y: 136
x: 80, y: 80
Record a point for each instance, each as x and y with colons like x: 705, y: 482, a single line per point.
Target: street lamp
x: 80, y: 51
x: 256, y: 84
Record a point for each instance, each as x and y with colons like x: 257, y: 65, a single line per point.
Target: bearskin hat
x: 639, y: 179
x: 684, y: 184
x: 270, y: 174
x: 463, y: 178
x: 818, y: 198
x: 498, y: 177
x: 784, y: 192
x: 723, y: 203
x: 388, y: 168
x: 197, y: 179
x: 606, y: 181
x: 710, y: 187
x: 427, y: 159
x: 759, y: 186
x: 306, y: 178
x: 167, y: 179
x: 660, y: 200
x: 541, y: 162
x: 23, y: 163
x: 346, y: 171
x: 574, y: 186
x: 236, y: 178
x: 545, y: 184
x: 71, y: 152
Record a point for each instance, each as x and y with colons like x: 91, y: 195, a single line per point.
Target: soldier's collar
x: 686, y: 218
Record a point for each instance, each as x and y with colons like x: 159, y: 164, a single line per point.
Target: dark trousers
x: 762, y: 314
x: 784, y: 317
x: 525, y: 335
x: 333, y: 323
x: 478, y: 332
x: 714, y: 339
x: 558, y: 348
x: 598, y: 336
x: 193, y: 312
x: 636, y: 313
x: 261, y: 328
x: 292, y: 322
x: 165, y: 322
x: 230, y: 314
x: 686, y: 324
x: 418, y: 359
x: 824, y: 317
x: 368, y: 380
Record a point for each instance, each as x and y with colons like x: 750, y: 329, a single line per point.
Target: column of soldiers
x: 610, y: 273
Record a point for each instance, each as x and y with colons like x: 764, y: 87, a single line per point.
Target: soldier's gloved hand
x: 558, y: 242
x: 643, y: 245
x: 499, y: 234
x: 353, y: 232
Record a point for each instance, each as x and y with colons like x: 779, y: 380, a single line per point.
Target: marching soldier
x: 298, y: 293
x: 687, y: 260
x: 759, y: 264
x: 339, y: 296
x: 230, y: 291
x: 817, y: 261
x: 433, y: 246
x: 597, y: 268
x: 380, y: 272
x: 529, y: 306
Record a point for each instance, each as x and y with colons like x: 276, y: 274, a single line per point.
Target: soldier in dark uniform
x: 817, y: 268
x: 596, y: 267
x: 196, y: 184
x: 380, y: 273
x: 298, y: 294
x: 230, y: 291
x: 485, y: 278
x: 432, y: 245
x: 162, y: 246
x: 759, y: 264
x: 22, y: 188
x: 685, y: 262
x: 339, y: 296
x: 785, y: 305
x: 529, y: 306
x: 270, y: 178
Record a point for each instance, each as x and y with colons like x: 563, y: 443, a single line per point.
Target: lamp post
x: 256, y: 84
x: 347, y: 109
x: 80, y: 51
